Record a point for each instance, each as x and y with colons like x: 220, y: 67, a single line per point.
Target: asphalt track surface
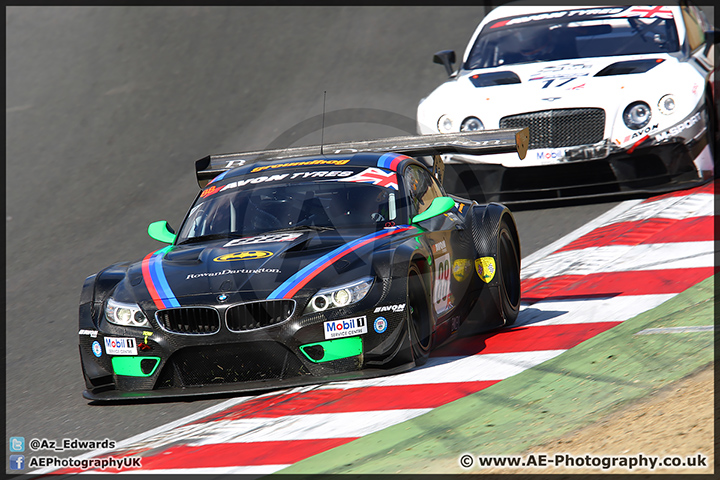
x: 107, y: 108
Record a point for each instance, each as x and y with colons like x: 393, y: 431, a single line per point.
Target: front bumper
x: 649, y: 170
x: 161, y: 364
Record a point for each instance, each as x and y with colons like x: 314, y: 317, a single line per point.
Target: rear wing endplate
x: 483, y: 142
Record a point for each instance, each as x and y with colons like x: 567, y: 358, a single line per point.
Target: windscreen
x: 272, y: 206
x: 571, y: 35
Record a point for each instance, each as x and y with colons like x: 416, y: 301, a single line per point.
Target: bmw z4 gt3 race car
x: 618, y: 99
x: 303, y: 265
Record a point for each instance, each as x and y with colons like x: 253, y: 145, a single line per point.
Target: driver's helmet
x: 535, y: 44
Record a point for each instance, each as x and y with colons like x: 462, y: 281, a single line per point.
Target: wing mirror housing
x: 712, y: 37
x: 162, y: 232
x: 438, y: 206
x: 446, y: 58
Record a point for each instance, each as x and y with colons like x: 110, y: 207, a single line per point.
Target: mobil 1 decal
x: 347, y: 327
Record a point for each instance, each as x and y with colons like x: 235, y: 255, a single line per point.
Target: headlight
x: 445, y: 124
x: 666, y: 105
x: 125, y: 314
x: 471, y: 124
x: 339, y: 296
x: 637, y: 115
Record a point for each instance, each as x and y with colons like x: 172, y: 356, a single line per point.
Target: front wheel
x: 419, y: 322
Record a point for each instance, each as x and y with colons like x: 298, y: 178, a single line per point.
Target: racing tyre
x: 418, y: 316
x: 509, y: 270
x: 495, y: 235
x: 711, y: 125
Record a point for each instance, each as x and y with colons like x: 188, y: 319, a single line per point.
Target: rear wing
x: 483, y: 142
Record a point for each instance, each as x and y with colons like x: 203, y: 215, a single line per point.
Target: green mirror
x: 161, y: 232
x: 438, y: 206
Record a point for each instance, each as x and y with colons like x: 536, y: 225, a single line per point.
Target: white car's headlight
x: 471, y: 124
x: 666, y: 105
x: 637, y: 115
x: 445, y: 124
x: 339, y: 296
x: 125, y: 314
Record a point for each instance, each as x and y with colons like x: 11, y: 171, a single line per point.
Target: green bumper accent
x: 332, y: 349
x: 133, y: 366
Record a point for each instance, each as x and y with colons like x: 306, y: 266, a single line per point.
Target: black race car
x: 304, y: 265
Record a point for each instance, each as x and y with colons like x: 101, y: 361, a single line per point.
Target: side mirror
x: 438, y: 206
x: 712, y: 37
x: 446, y: 58
x: 162, y: 232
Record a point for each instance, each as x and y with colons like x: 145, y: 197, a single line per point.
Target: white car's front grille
x: 560, y: 128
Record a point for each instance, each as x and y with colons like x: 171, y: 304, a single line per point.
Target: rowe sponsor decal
x: 348, y: 327
x: 120, y: 346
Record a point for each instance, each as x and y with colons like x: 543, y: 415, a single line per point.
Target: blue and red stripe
x: 156, y: 281
x: 297, y: 281
x: 390, y: 161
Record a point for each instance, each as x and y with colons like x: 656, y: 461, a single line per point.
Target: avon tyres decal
x: 291, y: 286
x: 213, y: 189
x: 156, y: 281
x: 619, y: 12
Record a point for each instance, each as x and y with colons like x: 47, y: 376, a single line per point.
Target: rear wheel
x: 418, y: 316
x: 508, y: 259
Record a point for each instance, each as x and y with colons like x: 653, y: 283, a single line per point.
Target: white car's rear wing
x: 470, y: 143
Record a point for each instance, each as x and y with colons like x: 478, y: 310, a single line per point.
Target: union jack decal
x: 375, y: 176
x: 648, y: 12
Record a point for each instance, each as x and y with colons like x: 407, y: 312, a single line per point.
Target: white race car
x: 618, y: 99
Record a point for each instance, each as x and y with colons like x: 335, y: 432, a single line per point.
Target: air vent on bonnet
x: 629, y: 67
x: 494, y: 78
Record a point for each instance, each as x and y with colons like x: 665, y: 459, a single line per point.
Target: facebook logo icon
x: 17, y: 462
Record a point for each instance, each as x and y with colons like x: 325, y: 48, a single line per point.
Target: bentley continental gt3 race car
x: 303, y: 265
x: 618, y: 99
